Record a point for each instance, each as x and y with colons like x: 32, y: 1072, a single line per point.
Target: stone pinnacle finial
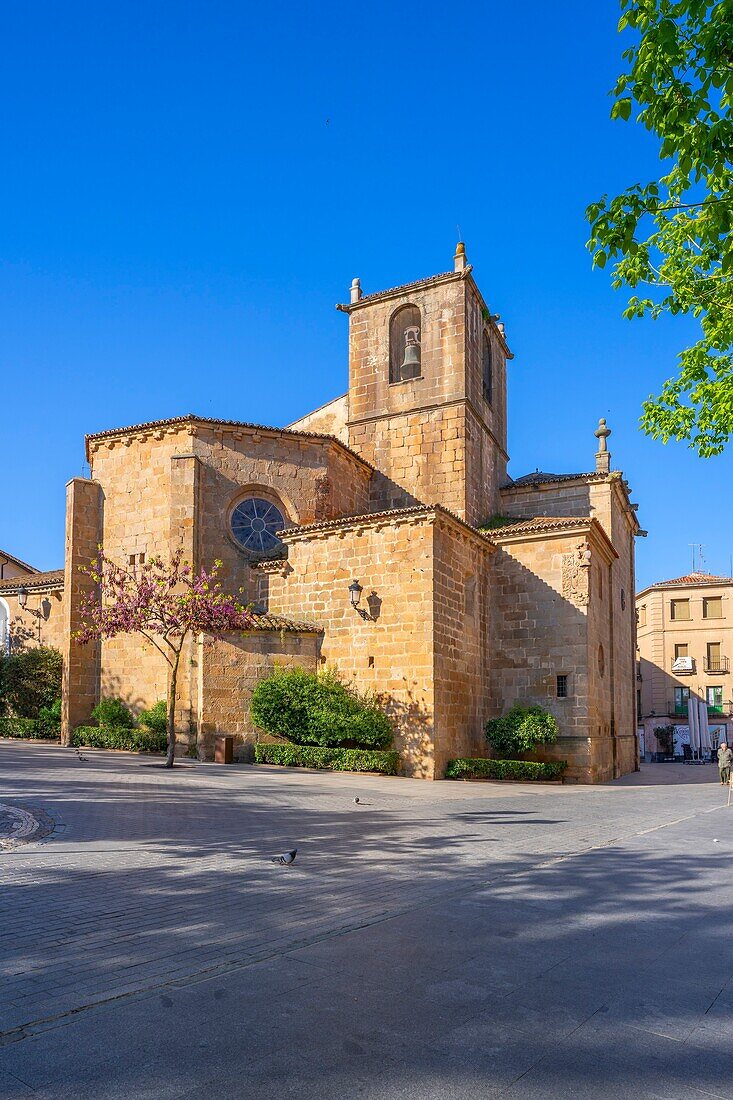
x: 355, y: 290
x: 459, y: 260
x: 603, y: 455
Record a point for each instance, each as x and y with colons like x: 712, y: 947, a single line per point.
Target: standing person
x: 725, y: 759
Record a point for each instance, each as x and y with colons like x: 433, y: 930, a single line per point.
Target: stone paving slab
x: 442, y: 940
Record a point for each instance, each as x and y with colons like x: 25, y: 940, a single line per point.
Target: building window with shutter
x: 680, y: 609
x: 712, y: 607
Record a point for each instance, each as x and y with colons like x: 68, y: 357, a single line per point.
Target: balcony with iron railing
x: 716, y: 664
x: 678, y: 709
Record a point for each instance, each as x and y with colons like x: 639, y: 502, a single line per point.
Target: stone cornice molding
x: 428, y: 514
x: 570, y: 527
x: 194, y: 426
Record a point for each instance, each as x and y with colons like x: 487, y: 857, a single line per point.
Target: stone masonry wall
x: 330, y: 419
x: 80, y: 690
x: 412, y: 431
x: 389, y: 652
x: 26, y: 628
x: 175, y: 486
x: 462, y: 596
x: 229, y: 668
x: 609, y: 507
x: 613, y: 696
x: 551, y: 619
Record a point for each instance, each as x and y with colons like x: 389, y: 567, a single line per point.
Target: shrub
x: 51, y: 716
x: 155, y: 719
x: 318, y: 709
x: 112, y: 714
x: 340, y: 760
x: 504, y: 769
x: 118, y: 737
x: 519, y: 730
x: 29, y: 680
x: 32, y: 728
x: 665, y: 739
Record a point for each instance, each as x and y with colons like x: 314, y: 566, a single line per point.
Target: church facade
x: 379, y: 535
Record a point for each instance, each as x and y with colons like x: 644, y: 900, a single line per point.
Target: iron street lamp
x: 355, y: 591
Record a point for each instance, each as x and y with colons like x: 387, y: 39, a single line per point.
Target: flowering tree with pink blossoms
x: 164, y: 602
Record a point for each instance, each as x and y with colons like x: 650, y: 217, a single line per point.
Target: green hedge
x: 338, y: 760
x: 33, y: 728
x: 504, y: 769
x: 119, y: 737
x: 310, y: 708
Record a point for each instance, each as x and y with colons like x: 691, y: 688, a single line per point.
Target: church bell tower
x: 427, y: 393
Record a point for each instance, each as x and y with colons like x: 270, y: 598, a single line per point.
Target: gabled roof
x: 405, y: 288
x: 6, y: 557
x: 368, y: 519
x: 52, y: 579
x: 540, y: 477
x: 693, y: 578
x: 213, y: 422
x: 537, y: 526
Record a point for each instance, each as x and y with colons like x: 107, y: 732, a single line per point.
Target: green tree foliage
x: 310, y: 709
x: 29, y: 681
x: 113, y: 714
x: 669, y: 239
x: 519, y: 730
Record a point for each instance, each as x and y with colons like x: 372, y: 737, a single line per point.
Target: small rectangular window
x: 681, y: 649
x: 642, y: 615
x: 132, y: 559
x: 680, y: 609
x: 562, y: 687
x: 681, y: 697
x: 712, y: 607
x: 141, y: 559
x: 715, y: 699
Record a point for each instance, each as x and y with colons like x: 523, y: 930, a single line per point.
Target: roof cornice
x: 533, y: 530
x: 429, y: 513
x: 193, y: 424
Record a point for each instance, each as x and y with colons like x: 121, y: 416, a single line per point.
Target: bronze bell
x: 411, y: 362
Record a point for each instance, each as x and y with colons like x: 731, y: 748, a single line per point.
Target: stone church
x: 380, y: 535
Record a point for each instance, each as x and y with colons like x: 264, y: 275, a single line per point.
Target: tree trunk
x: 172, y: 714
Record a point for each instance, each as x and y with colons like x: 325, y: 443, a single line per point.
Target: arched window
x: 487, y: 368
x: 405, y: 337
x: 4, y: 627
x: 255, y: 523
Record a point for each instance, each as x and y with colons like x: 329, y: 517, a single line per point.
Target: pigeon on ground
x: 286, y: 857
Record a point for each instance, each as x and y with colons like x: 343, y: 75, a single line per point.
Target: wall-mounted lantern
x: 22, y: 597
x: 355, y: 591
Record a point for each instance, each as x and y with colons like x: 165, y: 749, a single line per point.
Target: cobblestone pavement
x: 435, y: 940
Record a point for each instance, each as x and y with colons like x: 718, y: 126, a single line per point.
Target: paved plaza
x: 436, y: 940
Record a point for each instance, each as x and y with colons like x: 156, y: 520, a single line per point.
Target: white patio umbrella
x: 705, y: 743
x: 693, y: 721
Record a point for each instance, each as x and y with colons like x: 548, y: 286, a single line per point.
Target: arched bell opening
x: 405, y: 344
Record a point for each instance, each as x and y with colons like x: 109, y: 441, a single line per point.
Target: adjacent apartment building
x: 685, y: 642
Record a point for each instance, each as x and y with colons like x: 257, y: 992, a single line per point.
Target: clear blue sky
x: 188, y: 188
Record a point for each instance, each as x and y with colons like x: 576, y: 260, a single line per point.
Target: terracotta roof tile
x: 693, y: 578
x: 212, y: 421
x: 378, y: 517
x: 53, y: 579
x: 540, y: 477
